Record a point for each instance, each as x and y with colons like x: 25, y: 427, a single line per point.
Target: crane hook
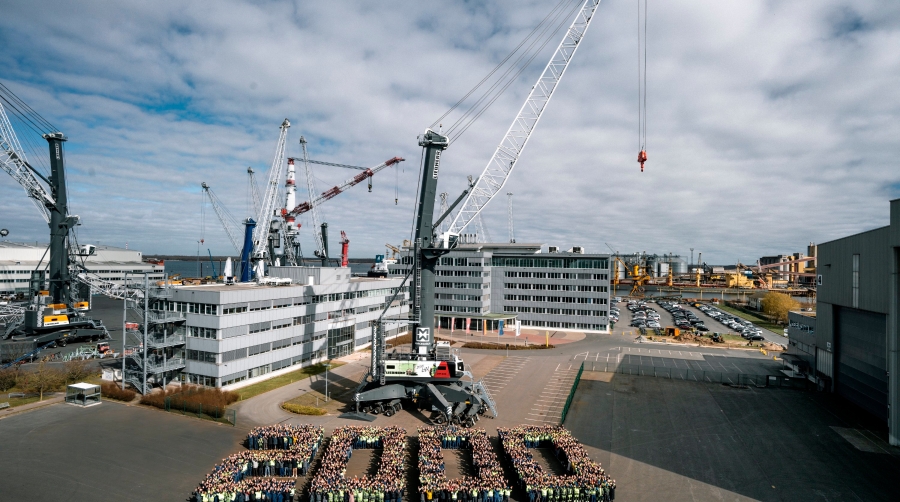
x: 642, y: 157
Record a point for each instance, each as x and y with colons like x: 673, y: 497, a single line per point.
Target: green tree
x: 778, y: 305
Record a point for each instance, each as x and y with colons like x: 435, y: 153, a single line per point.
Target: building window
x: 856, y: 281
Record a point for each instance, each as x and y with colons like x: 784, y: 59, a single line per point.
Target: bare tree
x: 43, y: 379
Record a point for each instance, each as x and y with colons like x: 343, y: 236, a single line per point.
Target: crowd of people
x: 279, y: 451
x: 490, y: 484
x: 584, y: 480
x: 388, y: 485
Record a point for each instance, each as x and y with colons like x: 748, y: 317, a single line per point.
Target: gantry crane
x: 432, y: 370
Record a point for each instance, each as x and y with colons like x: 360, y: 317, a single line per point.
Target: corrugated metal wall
x: 862, y: 359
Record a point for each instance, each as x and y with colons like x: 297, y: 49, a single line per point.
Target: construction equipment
x: 395, y: 250
x: 509, y: 212
x: 61, y: 313
x: 313, y: 203
x: 432, y: 371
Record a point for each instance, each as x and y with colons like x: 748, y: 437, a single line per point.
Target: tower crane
x: 432, y: 370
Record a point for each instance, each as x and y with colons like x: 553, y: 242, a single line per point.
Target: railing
x: 565, y: 410
x: 169, y: 365
x: 692, y: 375
x: 482, y: 389
x: 168, y: 341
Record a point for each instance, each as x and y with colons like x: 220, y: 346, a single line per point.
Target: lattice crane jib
x: 228, y: 221
x: 312, y: 206
x: 270, y: 196
x: 14, y: 162
x: 510, y: 149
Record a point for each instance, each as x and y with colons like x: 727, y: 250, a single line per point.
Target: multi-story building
x: 18, y: 260
x: 857, y: 327
x: 477, y: 285
x: 242, y: 333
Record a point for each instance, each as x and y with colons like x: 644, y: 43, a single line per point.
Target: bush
x: 43, y: 379
x: 192, y: 398
x: 302, y: 409
x: 8, y: 378
x: 500, y: 346
x: 112, y: 391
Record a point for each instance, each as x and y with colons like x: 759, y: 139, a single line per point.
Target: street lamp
x: 327, y: 365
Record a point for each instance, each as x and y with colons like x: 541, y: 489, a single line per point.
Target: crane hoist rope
x: 642, y: 85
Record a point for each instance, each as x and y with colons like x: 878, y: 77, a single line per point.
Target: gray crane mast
x: 425, y: 251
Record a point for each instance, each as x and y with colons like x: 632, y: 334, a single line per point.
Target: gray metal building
x: 486, y: 282
x: 856, y: 332
x: 243, y: 333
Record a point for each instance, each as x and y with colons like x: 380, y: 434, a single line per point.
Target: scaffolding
x: 154, y: 340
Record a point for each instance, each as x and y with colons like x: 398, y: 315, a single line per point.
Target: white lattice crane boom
x: 270, y: 197
x: 311, y: 189
x: 507, y: 154
x: 14, y: 162
x: 228, y: 221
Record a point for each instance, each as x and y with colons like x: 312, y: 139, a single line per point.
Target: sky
x: 770, y: 124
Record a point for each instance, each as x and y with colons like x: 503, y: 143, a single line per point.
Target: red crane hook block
x: 642, y: 157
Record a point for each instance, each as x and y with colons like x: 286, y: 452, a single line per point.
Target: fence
x: 693, y: 375
x: 565, y: 410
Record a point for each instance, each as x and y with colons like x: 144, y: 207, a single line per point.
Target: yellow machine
x: 639, y: 278
x: 673, y: 332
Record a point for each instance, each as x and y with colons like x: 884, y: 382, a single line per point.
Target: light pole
x: 327, y: 365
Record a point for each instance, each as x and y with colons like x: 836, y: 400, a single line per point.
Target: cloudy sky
x: 771, y: 124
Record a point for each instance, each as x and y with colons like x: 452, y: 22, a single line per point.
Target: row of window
x: 461, y: 262
x: 465, y: 298
x: 554, y: 299
x: 457, y: 308
x: 349, y: 295
x: 599, y: 263
x: 554, y: 311
x: 200, y: 355
x: 461, y: 273
x: 198, y: 332
x: 557, y: 275
x: 555, y: 287
x: 462, y: 285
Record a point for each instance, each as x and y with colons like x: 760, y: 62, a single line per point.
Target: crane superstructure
x: 266, y: 215
x: 432, y: 370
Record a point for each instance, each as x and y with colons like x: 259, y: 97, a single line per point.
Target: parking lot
x: 653, y: 314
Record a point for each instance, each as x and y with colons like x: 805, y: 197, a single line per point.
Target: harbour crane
x: 507, y: 154
x: 265, y: 217
x: 64, y: 310
x: 509, y: 211
x: 432, y: 370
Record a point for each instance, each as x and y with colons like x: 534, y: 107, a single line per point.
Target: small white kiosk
x: 83, y: 394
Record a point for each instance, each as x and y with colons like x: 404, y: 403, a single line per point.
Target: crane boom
x: 338, y: 189
x: 267, y: 208
x: 14, y: 162
x: 227, y: 220
x: 507, y: 154
x: 311, y: 189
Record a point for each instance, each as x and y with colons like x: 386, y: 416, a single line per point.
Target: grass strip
x: 302, y: 409
x: 282, y: 380
x: 757, y: 320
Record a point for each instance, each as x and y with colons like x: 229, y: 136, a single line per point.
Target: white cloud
x: 770, y: 124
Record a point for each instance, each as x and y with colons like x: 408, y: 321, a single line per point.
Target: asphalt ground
x: 662, y: 439
x: 108, y: 452
x: 671, y: 440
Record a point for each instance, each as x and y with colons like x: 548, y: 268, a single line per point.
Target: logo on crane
x: 437, y: 164
x: 423, y: 334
